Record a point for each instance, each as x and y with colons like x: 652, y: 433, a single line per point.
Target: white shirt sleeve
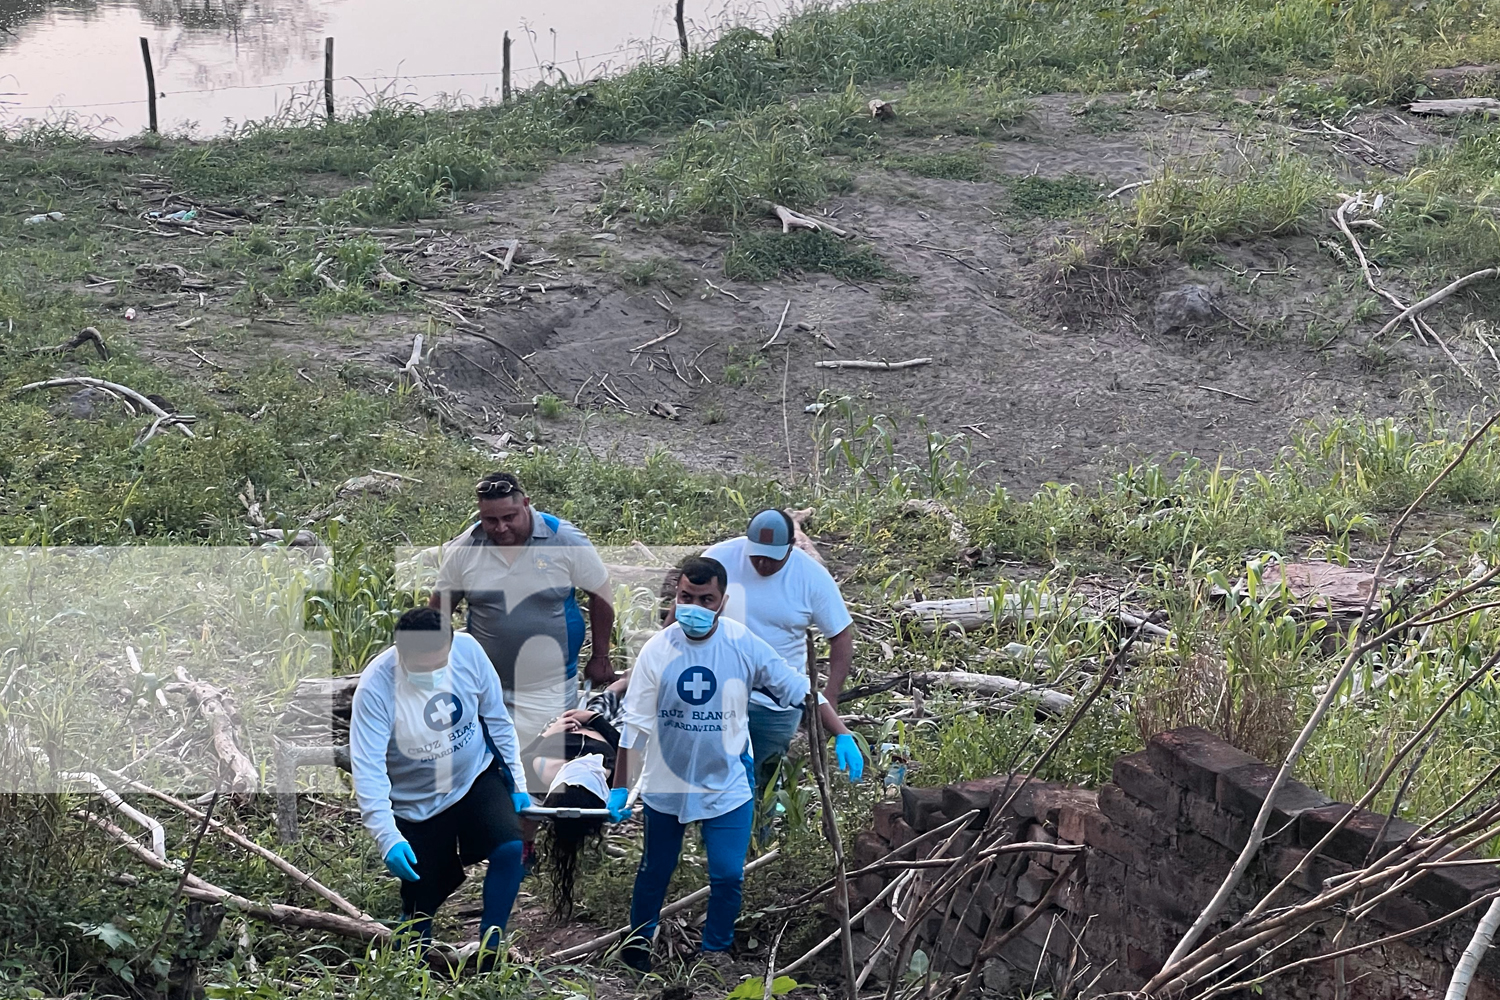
x: 787, y: 687
x: 829, y: 612
x: 638, y: 713
x: 370, y: 725
x: 492, y: 711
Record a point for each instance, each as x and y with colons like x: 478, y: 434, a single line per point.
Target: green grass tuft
x: 763, y: 255
x: 1055, y: 199
x: 968, y: 165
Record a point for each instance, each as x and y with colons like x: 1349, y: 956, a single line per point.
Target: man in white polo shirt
x: 778, y: 592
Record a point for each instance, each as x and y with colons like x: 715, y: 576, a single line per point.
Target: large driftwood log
x: 1054, y: 702
x: 1455, y: 106
x: 968, y: 613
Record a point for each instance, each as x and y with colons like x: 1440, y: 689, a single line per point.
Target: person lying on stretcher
x: 571, y: 766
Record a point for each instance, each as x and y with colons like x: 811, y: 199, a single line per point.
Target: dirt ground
x: 1047, y: 380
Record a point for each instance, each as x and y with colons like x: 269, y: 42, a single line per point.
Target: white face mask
x: 431, y: 680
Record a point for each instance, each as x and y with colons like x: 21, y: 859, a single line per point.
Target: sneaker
x: 636, y: 957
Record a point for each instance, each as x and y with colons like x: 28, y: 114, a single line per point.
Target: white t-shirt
x: 780, y: 608
x: 687, y: 707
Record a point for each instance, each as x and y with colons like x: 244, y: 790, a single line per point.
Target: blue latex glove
x: 401, y: 861
x: 846, y: 751
x: 522, y: 801
x: 619, y: 812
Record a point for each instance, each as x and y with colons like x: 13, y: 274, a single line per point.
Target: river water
x: 220, y: 62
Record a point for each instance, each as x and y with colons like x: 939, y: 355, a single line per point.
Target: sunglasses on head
x: 491, y: 488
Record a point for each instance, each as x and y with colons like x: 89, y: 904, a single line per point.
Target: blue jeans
x: 726, y: 839
x: 771, y: 732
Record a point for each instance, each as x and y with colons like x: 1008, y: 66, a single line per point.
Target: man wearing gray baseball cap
x: 779, y: 592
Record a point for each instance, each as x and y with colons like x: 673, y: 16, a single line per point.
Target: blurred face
x: 506, y: 520
x: 707, y: 595
x: 766, y: 566
x: 423, y: 661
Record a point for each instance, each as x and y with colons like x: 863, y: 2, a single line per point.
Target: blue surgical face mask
x: 431, y: 680
x: 696, y: 620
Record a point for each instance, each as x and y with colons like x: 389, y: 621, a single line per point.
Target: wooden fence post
x: 682, y: 28
x: 505, y: 69
x: 150, y: 82
x: 328, y: 77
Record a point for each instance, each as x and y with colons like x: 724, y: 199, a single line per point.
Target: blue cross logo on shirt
x: 443, y: 711
x: 696, y: 685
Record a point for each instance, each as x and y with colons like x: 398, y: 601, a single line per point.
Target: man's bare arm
x: 601, y: 628
x: 840, y: 660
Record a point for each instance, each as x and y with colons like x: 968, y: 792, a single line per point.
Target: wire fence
x: 540, y: 71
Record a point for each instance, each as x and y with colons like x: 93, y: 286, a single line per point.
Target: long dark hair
x: 562, y: 841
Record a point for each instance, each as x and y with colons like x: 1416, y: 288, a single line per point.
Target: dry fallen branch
x: 818, y: 753
x: 657, y: 340
x: 874, y: 365
x: 218, y: 710
x: 296, y: 874
x: 195, y: 887
x: 136, y: 398
x: 786, y: 309
x: 796, y: 220
x: 88, y: 335
x: 1417, y: 308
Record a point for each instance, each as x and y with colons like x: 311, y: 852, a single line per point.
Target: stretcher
x: 566, y: 812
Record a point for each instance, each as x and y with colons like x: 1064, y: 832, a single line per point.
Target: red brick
x: 1032, y: 801
x: 1100, y: 835
x: 1037, y: 834
x: 960, y: 798
x: 1128, y: 814
x: 1070, y: 819
x: 884, y: 814
x: 959, y: 946
x: 1135, y: 774
x: 868, y: 849
x: 1243, y: 791
x: 1048, y: 931
x: 877, y: 920
x: 901, y: 833
x: 1193, y: 758
x: 1401, y: 913
x: 1219, y: 825
x: 1033, y: 883
x: 1450, y: 888
x: 1356, y: 840
x: 922, y: 808
x: 866, y: 887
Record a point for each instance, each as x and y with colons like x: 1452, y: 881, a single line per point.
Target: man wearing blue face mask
x: 432, y: 792
x: 686, y: 712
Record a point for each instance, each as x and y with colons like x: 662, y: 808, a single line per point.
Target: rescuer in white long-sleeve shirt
x: 428, y: 722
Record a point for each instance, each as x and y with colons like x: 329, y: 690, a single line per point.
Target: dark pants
x: 726, y: 840
x: 481, y: 826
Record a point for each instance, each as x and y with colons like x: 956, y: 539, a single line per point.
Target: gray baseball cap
x: 770, y: 535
